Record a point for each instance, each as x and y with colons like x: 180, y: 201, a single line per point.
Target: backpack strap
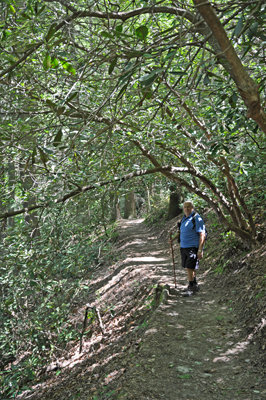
x: 194, y: 219
x: 194, y: 214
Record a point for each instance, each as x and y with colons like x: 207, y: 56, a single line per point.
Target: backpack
x: 194, y: 225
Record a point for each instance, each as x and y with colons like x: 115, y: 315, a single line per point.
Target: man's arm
x: 201, y: 244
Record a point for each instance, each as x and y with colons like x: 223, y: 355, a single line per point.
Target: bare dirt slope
x: 178, y: 349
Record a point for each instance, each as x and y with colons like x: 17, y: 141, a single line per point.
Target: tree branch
x: 192, y: 188
x: 94, y: 186
x: 247, y: 87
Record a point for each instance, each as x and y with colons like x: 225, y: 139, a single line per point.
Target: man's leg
x: 191, y: 266
x: 191, y: 274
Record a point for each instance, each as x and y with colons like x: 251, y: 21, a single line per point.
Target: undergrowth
x: 41, y: 281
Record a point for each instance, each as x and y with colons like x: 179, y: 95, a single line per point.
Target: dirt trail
x: 186, y: 348
x: 192, y: 347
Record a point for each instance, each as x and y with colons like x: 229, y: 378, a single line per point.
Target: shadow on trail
x: 187, y: 348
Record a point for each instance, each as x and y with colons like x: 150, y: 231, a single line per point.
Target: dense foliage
x: 98, y: 99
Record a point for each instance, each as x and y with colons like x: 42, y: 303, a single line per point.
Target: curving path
x: 192, y: 347
x: 186, y: 348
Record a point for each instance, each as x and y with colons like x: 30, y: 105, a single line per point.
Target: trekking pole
x: 173, y: 256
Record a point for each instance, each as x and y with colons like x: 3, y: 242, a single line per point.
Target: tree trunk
x: 247, y: 87
x: 130, y: 207
x: 115, y: 211
x: 174, y: 209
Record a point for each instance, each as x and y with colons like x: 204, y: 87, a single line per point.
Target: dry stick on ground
x: 100, y: 320
x: 85, y: 325
x: 95, y: 312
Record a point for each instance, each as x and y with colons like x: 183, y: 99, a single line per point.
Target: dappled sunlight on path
x: 191, y: 348
x: 185, y: 348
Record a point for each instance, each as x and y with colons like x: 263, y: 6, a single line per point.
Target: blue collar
x: 191, y: 215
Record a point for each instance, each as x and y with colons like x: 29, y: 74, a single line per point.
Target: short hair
x: 189, y: 202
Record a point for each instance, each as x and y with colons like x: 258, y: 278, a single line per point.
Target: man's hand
x: 200, y: 255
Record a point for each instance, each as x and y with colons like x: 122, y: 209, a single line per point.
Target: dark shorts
x: 189, y: 257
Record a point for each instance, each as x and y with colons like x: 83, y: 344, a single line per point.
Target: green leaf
x: 199, y: 97
x: 212, y: 74
x: 239, y: 26
x: 252, y: 30
x: 226, y: 148
x: 71, y: 97
x: 34, y: 153
x: 51, y: 31
x: 237, y: 126
x: 133, y: 54
x: 171, y: 53
x: 121, y: 34
x: 107, y: 35
x: 232, y: 102
x: 142, y: 32
x: 27, y: 163
x: 54, y: 63
x: 112, y: 65
x: 178, y: 73
x: 206, y: 80
x: 30, y: 45
x: 121, y: 93
x: 147, y: 55
x: 60, y: 111
x: 215, y: 148
x: 198, y: 80
x: 26, y: 16
x: 125, y: 77
x: 48, y: 151
x: 263, y: 37
x: 246, y: 48
x: 12, y: 9
x: 41, y: 10
x: 47, y: 61
x: 43, y: 156
x: 68, y: 67
x: 50, y: 103
x: 58, y: 138
x: 146, y: 77
x: 31, y: 374
x: 234, y: 97
x: 56, y: 43
x: 119, y: 28
x: 147, y: 93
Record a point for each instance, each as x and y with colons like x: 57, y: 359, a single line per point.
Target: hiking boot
x: 189, y: 291
x: 196, y: 287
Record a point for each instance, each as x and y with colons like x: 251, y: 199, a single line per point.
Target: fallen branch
x: 94, y: 312
x: 100, y: 320
x: 85, y: 324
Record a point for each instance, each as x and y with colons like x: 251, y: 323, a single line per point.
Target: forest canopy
x: 94, y: 91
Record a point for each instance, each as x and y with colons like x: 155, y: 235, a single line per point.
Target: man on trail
x: 192, y: 237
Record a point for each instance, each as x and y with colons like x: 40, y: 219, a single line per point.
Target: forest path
x: 186, y: 348
x: 192, y: 348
